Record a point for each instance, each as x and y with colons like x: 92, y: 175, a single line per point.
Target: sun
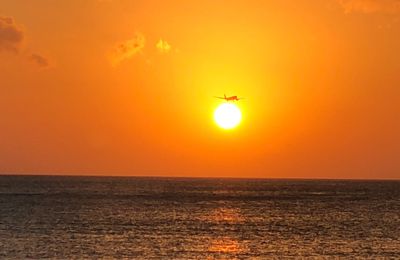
x: 227, y: 116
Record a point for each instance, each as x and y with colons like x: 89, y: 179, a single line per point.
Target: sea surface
x: 176, y: 218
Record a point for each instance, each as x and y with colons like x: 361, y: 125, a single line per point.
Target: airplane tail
x: 224, y: 96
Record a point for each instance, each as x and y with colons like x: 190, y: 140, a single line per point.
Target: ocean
x: 184, y: 218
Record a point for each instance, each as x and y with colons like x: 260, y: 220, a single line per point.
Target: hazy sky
x: 120, y: 87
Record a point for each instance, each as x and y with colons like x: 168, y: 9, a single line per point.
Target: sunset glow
x: 120, y: 88
x: 212, y: 129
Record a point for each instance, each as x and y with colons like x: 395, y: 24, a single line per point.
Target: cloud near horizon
x: 370, y: 6
x: 127, y: 49
x: 11, y: 35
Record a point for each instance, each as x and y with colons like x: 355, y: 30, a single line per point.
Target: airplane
x: 232, y: 98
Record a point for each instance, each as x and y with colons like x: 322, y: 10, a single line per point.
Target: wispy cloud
x: 11, y: 35
x: 163, y: 46
x: 39, y: 60
x: 371, y: 6
x: 127, y: 49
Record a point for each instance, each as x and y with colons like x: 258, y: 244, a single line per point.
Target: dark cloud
x: 11, y: 36
x: 39, y: 60
x: 11, y: 39
x: 371, y: 6
x: 127, y: 49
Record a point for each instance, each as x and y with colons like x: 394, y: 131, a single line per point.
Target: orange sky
x: 87, y: 87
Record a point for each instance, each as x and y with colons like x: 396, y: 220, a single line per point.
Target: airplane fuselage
x: 232, y: 98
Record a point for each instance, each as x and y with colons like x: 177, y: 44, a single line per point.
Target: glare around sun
x: 227, y: 116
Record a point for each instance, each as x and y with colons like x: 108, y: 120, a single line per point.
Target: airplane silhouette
x: 231, y: 98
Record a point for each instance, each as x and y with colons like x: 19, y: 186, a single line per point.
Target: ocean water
x: 173, y: 218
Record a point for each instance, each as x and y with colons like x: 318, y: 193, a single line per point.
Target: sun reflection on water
x: 229, y: 215
x: 225, y: 245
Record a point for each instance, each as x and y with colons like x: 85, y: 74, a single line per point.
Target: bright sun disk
x: 227, y: 115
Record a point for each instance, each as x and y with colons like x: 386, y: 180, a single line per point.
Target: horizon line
x: 193, y: 177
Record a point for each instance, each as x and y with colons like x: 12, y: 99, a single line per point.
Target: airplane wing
x: 219, y: 97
